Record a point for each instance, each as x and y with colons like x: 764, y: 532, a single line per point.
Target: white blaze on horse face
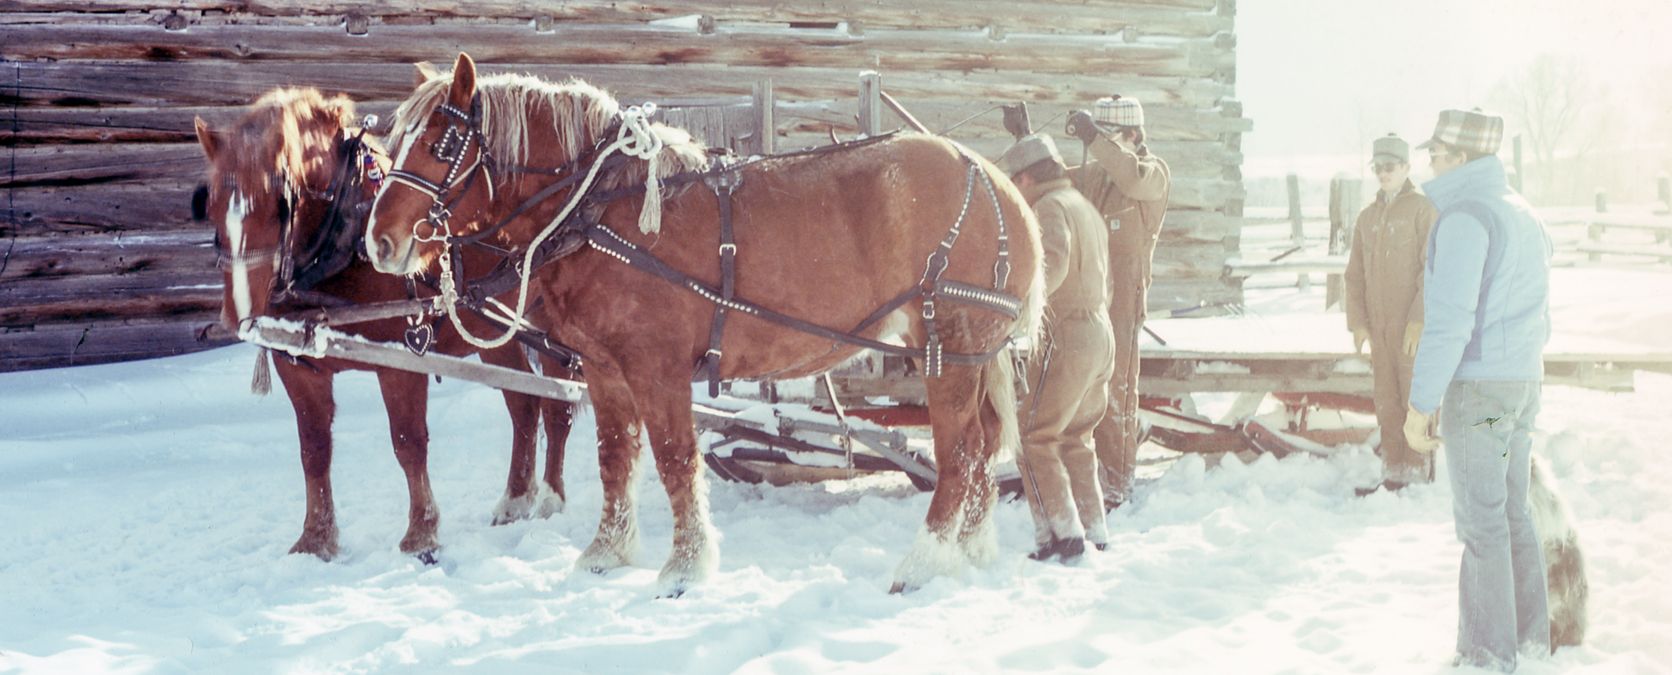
x: 236, y: 209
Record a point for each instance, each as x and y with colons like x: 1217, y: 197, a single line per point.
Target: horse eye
x: 284, y: 208
x: 200, y: 202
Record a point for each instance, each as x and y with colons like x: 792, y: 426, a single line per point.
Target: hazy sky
x: 1323, y: 77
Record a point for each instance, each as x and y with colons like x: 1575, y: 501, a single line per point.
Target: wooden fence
x: 100, y: 261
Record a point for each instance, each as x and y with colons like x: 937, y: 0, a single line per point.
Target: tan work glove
x: 1413, y: 337
x: 1360, y: 336
x: 1416, y: 432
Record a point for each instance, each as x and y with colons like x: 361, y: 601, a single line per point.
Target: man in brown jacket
x: 1069, y: 375
x: 1129, y: 186
x: 1384, y: 301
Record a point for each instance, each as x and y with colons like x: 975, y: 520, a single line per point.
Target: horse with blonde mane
x: 288, y: 188
x: 777, y: 267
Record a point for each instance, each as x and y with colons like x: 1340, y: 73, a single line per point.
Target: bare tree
x: 1546, y: 99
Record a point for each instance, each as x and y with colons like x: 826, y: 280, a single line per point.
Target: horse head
x: 439, y: 183
x: 462, y: 147
x: 268, y: 188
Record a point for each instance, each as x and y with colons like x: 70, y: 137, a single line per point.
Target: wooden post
x: 1663, y: 189
x: 870, y: 103
x: 1343, y: 206
x: 1515, y: 179
x: 1297, y: 227
x: 766, y: 126
x: 1297, y: 231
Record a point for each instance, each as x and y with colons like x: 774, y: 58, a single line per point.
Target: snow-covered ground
x: 145, y: 511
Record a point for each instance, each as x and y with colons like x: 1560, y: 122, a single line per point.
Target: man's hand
x: 1081, y: 125
x: 1413, y: 337
x: 1416, y: 432
x: 1016, y: 120
x: 1360, y: 336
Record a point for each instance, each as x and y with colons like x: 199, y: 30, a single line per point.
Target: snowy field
x: 147, y: 508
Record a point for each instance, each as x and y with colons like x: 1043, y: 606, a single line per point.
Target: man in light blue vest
x: 1486, y: 287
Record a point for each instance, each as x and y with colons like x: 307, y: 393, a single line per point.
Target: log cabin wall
x: 100, y: 260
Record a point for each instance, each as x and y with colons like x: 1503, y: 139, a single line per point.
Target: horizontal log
x: 886, y: 50
x: 1190, y: 297
x: 109, y: 207
x: 87, y: 343
x: 1183, y: 225
x: 58, y: 165
x: 216, y: 82
x: 96, y: 299
x: 980, y: 119
x: 1190, y: 260
x: 41, y: 125
x: 1194, y: 18
x: 41, y: 259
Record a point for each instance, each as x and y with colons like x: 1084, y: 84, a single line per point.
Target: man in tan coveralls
x: 1069, y: 374
x: 1129, y: 186
x: 1384, y: 301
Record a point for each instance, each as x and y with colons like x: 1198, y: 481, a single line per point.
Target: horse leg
x: 957, y: 521
x: 617, y: 541
x: 406, y: 399
x: 559, y: 418
x: 310, y: 397
x: 520, y: 490
x: 668, y: 420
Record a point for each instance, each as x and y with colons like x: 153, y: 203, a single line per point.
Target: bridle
x: 464, y: 129
x: 348, y: 202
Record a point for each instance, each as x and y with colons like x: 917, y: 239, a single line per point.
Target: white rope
x: 636, y: 139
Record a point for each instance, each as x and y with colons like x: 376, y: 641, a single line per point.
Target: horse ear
x: 464, y: 81
x: 206, y: 137
x: 426, y: 72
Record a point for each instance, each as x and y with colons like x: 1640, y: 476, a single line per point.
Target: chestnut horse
x: 282, y: 183
x: 827, y: 239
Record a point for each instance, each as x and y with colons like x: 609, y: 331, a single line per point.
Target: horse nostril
x: 385, y: 248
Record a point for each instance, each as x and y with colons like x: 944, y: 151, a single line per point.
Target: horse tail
x: 999, y: 377
x: 1000, y: 373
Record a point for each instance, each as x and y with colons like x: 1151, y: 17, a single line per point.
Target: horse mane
x: 579, y: 111
x: 291, y: 113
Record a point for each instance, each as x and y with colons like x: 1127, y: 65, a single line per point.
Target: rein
x: 566, y: 233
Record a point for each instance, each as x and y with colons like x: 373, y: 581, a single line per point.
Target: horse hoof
x: 512, y: 509
x: 428, y: 557
x: 322, y: 547
x: 898, y: 588
x: 550, y: 505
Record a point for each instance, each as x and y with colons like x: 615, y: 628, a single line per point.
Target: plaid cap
x: 1469, y: 130
x: 1390, y: 148
x: 1032, y: 149
x: 1117, y: 111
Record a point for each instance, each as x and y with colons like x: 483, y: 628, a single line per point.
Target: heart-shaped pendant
x: 418, y: 338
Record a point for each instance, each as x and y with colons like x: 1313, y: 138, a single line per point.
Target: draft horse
x: 812, y: 256
x: 288, y: 188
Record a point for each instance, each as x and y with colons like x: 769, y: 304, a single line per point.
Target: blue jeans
x: 1487, y: 427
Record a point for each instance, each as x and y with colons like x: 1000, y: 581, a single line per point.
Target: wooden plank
x: 888, y: 50
x: 218, y: 82
x: 1150, y: 18
x: 329, y: 343
x: 87, y: 343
